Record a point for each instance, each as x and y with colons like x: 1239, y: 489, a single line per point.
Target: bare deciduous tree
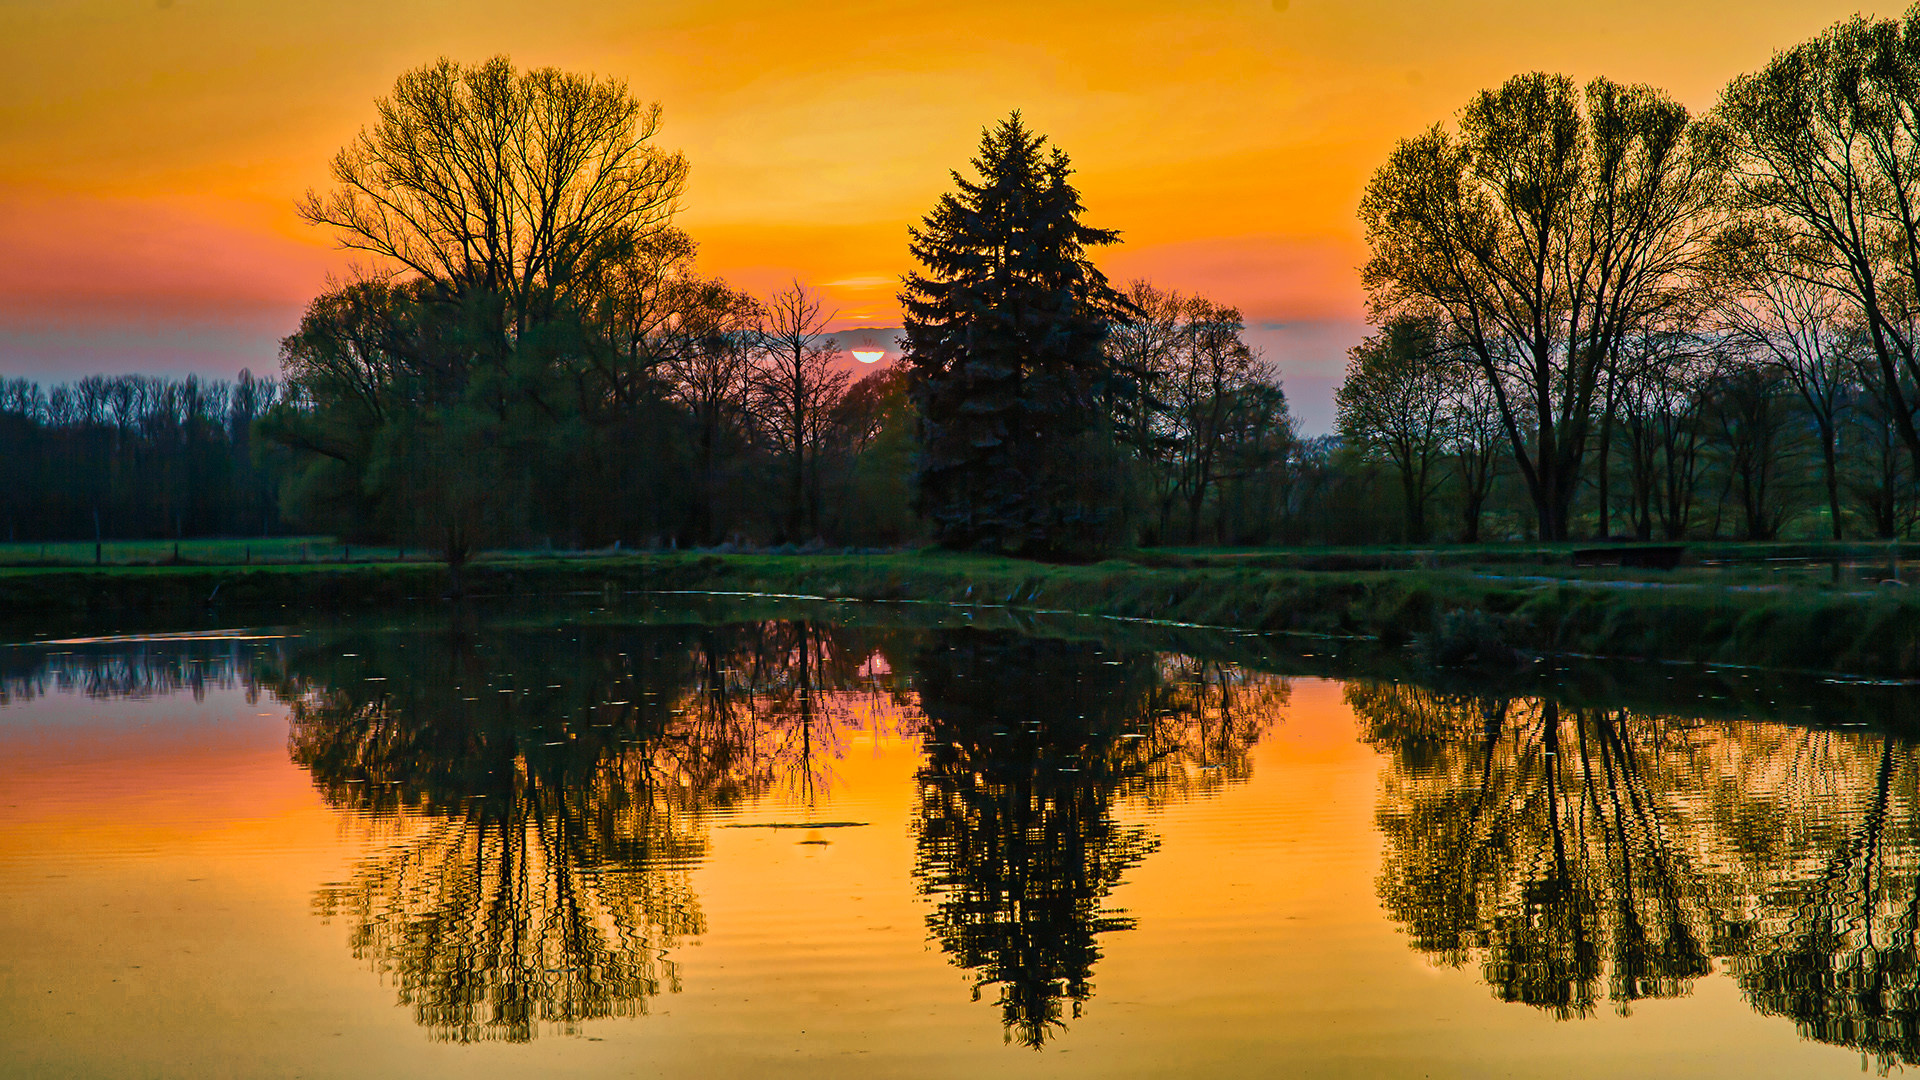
x: 1395, y: 402
x: 795, y: 389
x: 711, y: 377
x: 1200, y: 383
x: 1544, y: 229
x: 1796, y: 328
x: 514, y: 184
x: 1825, y: 147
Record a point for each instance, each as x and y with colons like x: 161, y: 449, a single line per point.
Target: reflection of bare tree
x: 135, y: 668
x: 1831, y: 936
x: 1535, y: 841
x: 536, y: 796
x: 1202, y: 719
x: 1575, y: 854
x: 540, y: 873
x: 772, y: 704
x: 538, y: 905
x: 549, y: 795
x: 1029, y: 741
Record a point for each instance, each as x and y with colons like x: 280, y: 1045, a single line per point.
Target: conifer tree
x: 1006, y: 334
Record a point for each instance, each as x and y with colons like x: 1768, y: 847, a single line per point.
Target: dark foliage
x: 133, y: 457
x: 1006, y: 332
x: 1029, y: 743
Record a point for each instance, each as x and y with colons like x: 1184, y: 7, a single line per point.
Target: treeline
x: 542, y: 363
x: 1598, y: 315
x: 134, y: 457
x: 718, y: 423
x: 1734, y: 435
x: 1628, y: 320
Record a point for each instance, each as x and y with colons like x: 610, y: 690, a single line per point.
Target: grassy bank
x: 1869, y: 630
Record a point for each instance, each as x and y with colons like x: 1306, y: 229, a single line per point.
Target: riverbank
x: 1862, y: 629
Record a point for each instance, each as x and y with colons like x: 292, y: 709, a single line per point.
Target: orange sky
x: 151, y: 150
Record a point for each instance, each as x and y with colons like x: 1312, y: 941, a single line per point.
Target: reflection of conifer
x: 1025, y: 752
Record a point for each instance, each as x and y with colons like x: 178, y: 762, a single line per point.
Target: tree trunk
x: 1604, y: 526
x: 456, y: 553
x: 1410, y: 490
x: 1475, y: 482
x: 1830, y: 462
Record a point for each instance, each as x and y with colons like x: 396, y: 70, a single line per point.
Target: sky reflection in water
x: 739, y: 830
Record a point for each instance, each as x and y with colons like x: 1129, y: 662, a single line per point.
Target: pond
x: 690, y: 836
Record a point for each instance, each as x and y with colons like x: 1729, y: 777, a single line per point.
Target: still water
x: 753, y: 838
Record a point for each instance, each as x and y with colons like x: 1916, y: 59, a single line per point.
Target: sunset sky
x: 151, y: 150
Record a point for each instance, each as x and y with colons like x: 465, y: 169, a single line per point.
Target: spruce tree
x: 1006, y: 335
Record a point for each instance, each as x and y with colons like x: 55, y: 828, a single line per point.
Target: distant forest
x: 131, y: 456
x: 1597, y: 315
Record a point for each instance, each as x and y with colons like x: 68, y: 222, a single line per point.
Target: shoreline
x: 1777, y: 627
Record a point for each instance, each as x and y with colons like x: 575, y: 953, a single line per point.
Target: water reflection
x: 547, y: 793
x: 1580, y: 855
x: 767, y: 708
x: 540, y: 873
x: 136, y: 669
x: 536, y: 798
x: 1028, y: 744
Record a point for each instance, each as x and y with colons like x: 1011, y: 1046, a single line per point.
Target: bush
x: 1469, y: 637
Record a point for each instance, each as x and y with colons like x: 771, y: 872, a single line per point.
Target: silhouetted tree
x: 1394, y: 401
x: 506, y: 185
x: 133, y: 456
x: 1548, y: 226
x: 1798, y: 329
x: 796, y: 388
x: 1208, y: 416
x: 1006, y: 334
x: 1823, y: 141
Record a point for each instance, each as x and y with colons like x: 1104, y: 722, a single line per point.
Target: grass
x: 1702, y: 613
x: 220, y: 551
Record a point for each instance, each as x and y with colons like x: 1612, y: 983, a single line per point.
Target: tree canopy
x: 1546, y: 228
x: 1006, y: 332
x: 519, y: 184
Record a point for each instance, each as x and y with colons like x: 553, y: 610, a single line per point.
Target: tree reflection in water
x: 540, y: 797
x: 1832, y: 937
x: 549, y: 794
x: 137, y: 669
x: 1581, y: 854
x: 1028, y: 743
